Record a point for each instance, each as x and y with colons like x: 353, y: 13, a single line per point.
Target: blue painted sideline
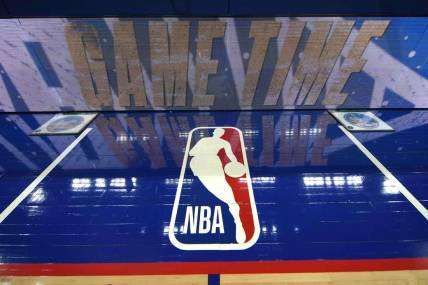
x: 214, y: 279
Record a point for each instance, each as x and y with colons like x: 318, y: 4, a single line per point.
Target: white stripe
x: 388, y: 174
x: 6, y: 212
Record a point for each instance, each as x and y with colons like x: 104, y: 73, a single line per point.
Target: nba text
x: 198, y: 220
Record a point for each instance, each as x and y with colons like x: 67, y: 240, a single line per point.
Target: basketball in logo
x: 64, y: 123
x: 361, y: 120
x: 214, y: 207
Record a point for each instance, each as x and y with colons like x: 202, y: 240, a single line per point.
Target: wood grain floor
x: 417, y: 277
x: 108, y: 280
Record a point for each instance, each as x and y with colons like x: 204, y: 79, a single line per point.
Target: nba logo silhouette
x: 214, y: 206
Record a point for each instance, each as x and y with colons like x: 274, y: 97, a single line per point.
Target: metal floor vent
x: 65, y: 124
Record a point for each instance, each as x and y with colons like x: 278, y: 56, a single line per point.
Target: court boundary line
x: 27, y: 191
x: 403, y: 190
x: 220, y: 267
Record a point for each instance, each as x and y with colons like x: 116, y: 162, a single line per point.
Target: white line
x: 6, y: 212
x: 388, y: 174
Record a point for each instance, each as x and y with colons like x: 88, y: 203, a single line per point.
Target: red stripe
x: 162, y: 268
x: 240, y: 190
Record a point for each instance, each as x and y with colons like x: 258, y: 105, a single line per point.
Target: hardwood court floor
x: 106, y: 208
x: 415, y: 277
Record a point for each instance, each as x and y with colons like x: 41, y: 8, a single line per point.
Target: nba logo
x: 214, y: 206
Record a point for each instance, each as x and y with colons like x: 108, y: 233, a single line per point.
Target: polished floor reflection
x: 318, y: 196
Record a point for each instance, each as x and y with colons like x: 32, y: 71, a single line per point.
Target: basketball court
x: 234, y: 149
x: 323, y: 205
